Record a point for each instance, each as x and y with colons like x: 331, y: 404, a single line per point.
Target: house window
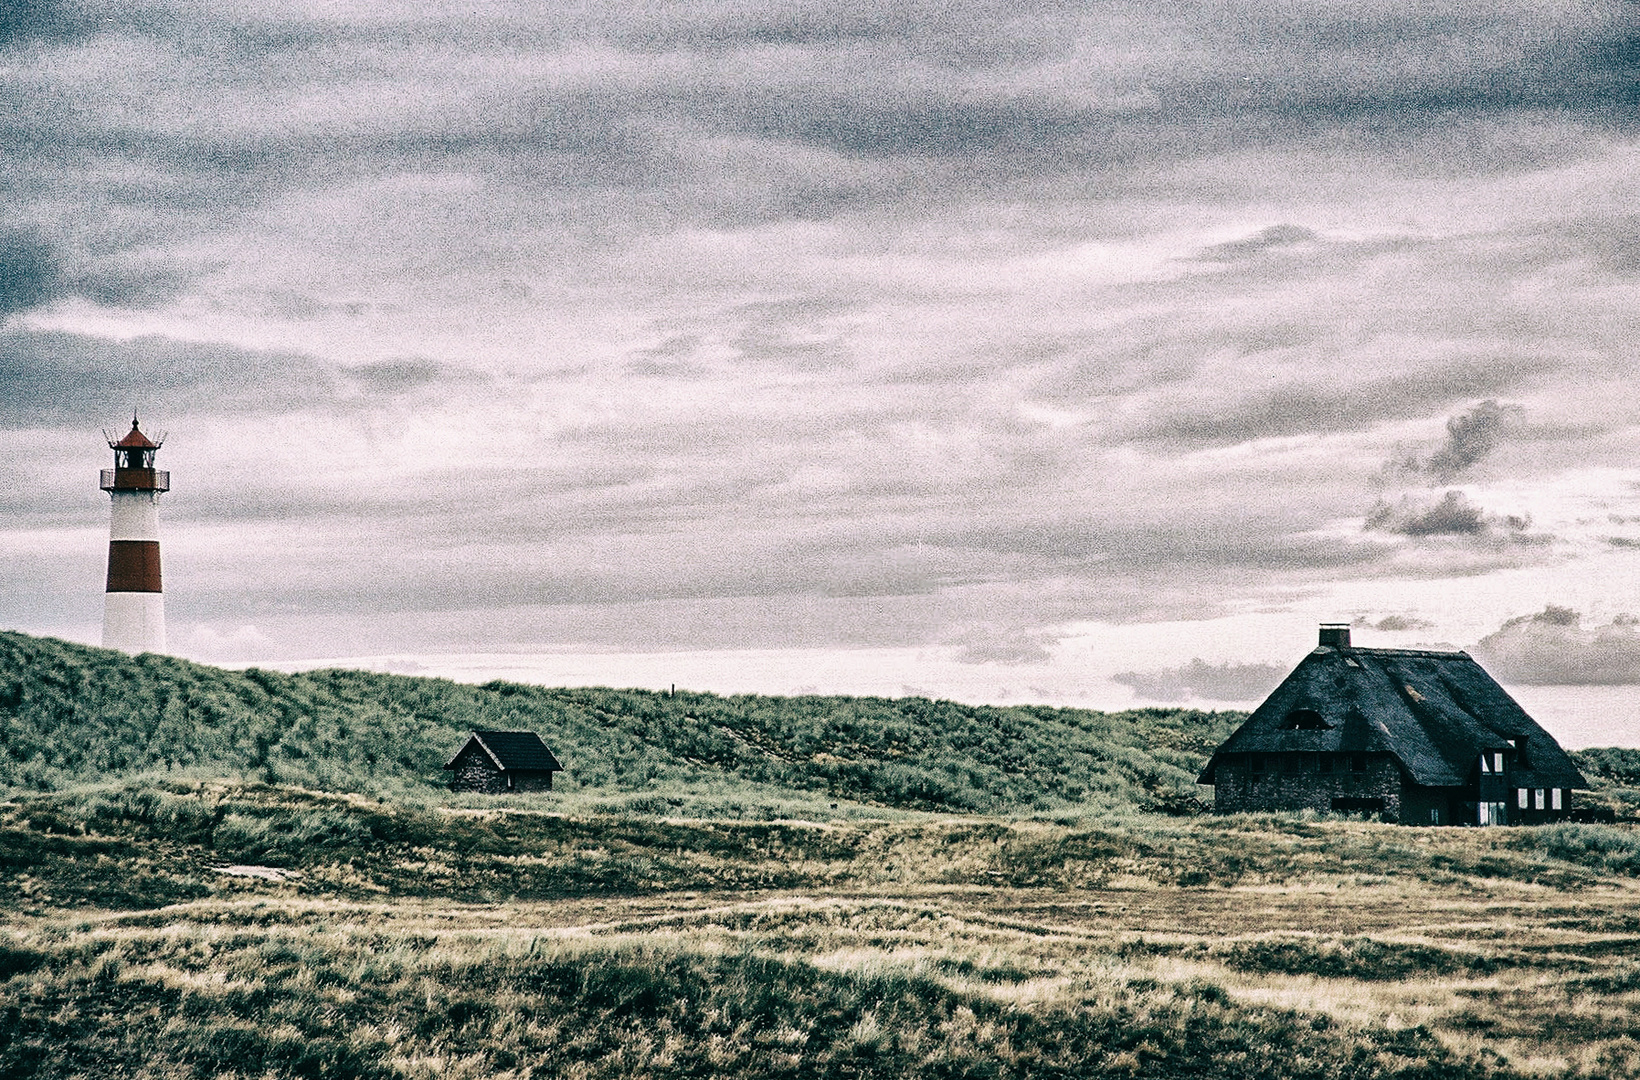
x: 509, y: 782
x: 1305, y: 720
x: 1537, y: 799
x: 1497, y: 763
x: 1520, y: 798
x: 1554, y: 799
x: 1434, y: 817
x: 1486, y: 764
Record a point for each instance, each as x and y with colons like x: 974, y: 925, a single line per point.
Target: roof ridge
x: 1450, y: 654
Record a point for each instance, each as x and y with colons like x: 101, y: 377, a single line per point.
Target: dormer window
x: 1304, y: 720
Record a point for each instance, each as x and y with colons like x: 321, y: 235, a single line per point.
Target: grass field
x: 211, y: 874
x: 228, y: 929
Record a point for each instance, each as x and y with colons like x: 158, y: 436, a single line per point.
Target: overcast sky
x: 1119, y: 343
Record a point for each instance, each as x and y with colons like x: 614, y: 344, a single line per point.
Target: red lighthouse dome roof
x: 135, y: 438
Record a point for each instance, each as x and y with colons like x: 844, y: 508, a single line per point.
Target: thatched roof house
x: 499, y: 761
x: 1416, y: 736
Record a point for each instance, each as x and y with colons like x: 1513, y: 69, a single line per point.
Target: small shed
x: 496, y: 762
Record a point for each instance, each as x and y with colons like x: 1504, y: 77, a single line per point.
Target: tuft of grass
x: 1605, y: 848
x: 1352, y: 958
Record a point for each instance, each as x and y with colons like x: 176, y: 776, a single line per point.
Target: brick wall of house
x: 1296, y: 781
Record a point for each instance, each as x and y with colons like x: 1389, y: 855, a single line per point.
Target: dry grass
x: 921, y: 946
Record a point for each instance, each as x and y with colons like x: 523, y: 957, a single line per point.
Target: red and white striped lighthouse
x: 134, y: 607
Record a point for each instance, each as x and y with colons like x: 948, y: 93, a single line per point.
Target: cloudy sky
x: 1026, y: 351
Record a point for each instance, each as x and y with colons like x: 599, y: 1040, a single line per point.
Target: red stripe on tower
x: 133, y: 566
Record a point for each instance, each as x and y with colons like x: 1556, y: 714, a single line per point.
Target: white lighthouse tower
x: 134, y: 607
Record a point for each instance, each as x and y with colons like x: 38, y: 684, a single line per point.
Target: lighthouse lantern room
x: 134, y: 604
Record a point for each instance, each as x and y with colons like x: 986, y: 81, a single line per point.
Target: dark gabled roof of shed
x: 1435, y: 711
x: 511, y: 750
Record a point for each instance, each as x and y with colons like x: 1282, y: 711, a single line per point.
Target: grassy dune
x: 71, y: 714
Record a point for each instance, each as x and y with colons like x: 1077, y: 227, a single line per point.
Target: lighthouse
x: 134, y: 607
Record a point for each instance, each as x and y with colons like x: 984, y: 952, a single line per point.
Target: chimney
x: 1335, y: 635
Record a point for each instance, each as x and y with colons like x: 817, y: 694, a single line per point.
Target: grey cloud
x: 29, y: 20
x: 35, y: 271
x: 1611, y: 243
x: 972, y: 35
x: 29, y: 273
x: 398, y: 376
x: 1349, y: 402
x: 1222, y: 682
x: 70, y: 22
x: 1453, y: 515
x: 993, y: 643
x: 1395, y: 623
x: 1376, y: 71
x: 1470, y: 437
x: 131, y: 283
x: 1273, y: 238
x: 1553, y: 647
x: 54, y: 378
x: 990, y: 134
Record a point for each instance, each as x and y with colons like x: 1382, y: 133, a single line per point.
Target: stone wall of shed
x: 1237, y: 789
x: 531, y: 781
x: 470, y: 776
x: 484, y: 779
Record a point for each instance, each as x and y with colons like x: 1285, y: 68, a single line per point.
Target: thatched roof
x: 511, y: 750
x: 1435, y: 711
